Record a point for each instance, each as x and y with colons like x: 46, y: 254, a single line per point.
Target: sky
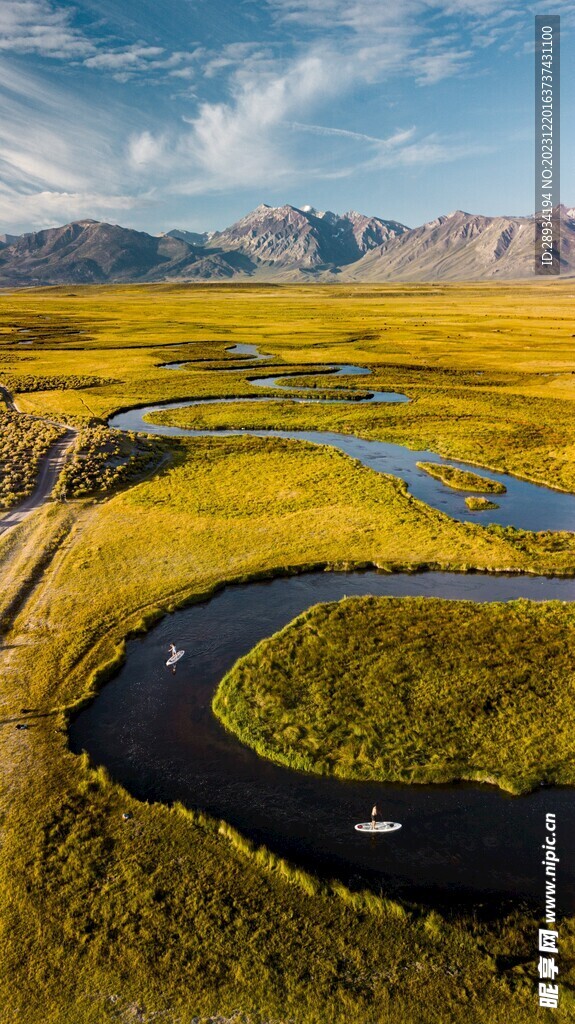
x: 161, y: 114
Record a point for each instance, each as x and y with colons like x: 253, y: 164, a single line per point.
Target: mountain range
x: 283, y: 243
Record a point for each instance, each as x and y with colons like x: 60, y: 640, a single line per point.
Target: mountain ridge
x: 283, y: 243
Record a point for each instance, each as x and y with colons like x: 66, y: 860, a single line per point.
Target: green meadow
x: 169, y: 915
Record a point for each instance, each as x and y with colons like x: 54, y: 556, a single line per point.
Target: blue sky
x: 188, y: 113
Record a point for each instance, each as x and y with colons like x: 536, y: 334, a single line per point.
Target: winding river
x: 460, y: 845
x: 525, y: 505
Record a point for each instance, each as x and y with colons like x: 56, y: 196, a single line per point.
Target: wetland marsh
x: 173, y: 910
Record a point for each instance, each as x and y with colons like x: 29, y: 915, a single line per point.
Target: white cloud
x: 260, y: 93
x: 242, y: 142
x: 425, y: 152
x: 49, y: 209
x: 245, y: 141
x: 47, y: 29
x: 62, y: 147
x: 144, y: 149
x: 402, y: 149
x: 185, y: 73
x: 128, y: 57
x: 139, y: 59
x: 37, y: 26
x: 434, y: 67
x: 478, y: 8
x: 66, y: 164
x: 409, y: 35
x: 234, y: 55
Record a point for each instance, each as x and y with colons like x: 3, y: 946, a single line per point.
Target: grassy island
x: 480, y: 504
x: 413, y: 690
x: 461, y: 479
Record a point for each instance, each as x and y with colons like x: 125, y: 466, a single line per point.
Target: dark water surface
x: 460, y: 845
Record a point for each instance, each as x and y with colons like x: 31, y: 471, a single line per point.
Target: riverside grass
x: 413, y: 690
x: 154, y: 918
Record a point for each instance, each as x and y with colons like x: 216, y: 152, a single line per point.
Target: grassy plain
x: 413, y: 690
x: 169, y: 916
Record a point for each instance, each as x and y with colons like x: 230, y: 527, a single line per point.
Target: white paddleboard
x: 175, y: 657
x: 380, y: 826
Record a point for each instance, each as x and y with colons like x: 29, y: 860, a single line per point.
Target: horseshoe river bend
x: 460, y: 845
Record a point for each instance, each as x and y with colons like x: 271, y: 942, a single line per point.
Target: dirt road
x: 50, y: 468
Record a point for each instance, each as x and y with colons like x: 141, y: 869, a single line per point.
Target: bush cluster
x: 28, y: 382
x: 23, y: 442
x: 104, y: 460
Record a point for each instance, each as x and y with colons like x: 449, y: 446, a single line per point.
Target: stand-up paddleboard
x: 380, y: 826
x: 175, y: 657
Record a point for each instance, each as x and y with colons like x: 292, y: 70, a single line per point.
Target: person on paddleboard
x: 173, y: 652
x: 374, y: 815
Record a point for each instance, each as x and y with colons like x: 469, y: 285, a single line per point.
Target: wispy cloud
x: 241, y: 142
x: 433, y: 67
x: 61, y: 145
x: 402, y: 149
x: 136, y: 56
x: 233, y: 56
x: 344, y: 133
x: 145, y: 149
x: 411, y: 35
x: 244, y: 143
x: 64, y: 163
x: 125, y: 62
x: 427, y: 151
x: 67, y: 153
